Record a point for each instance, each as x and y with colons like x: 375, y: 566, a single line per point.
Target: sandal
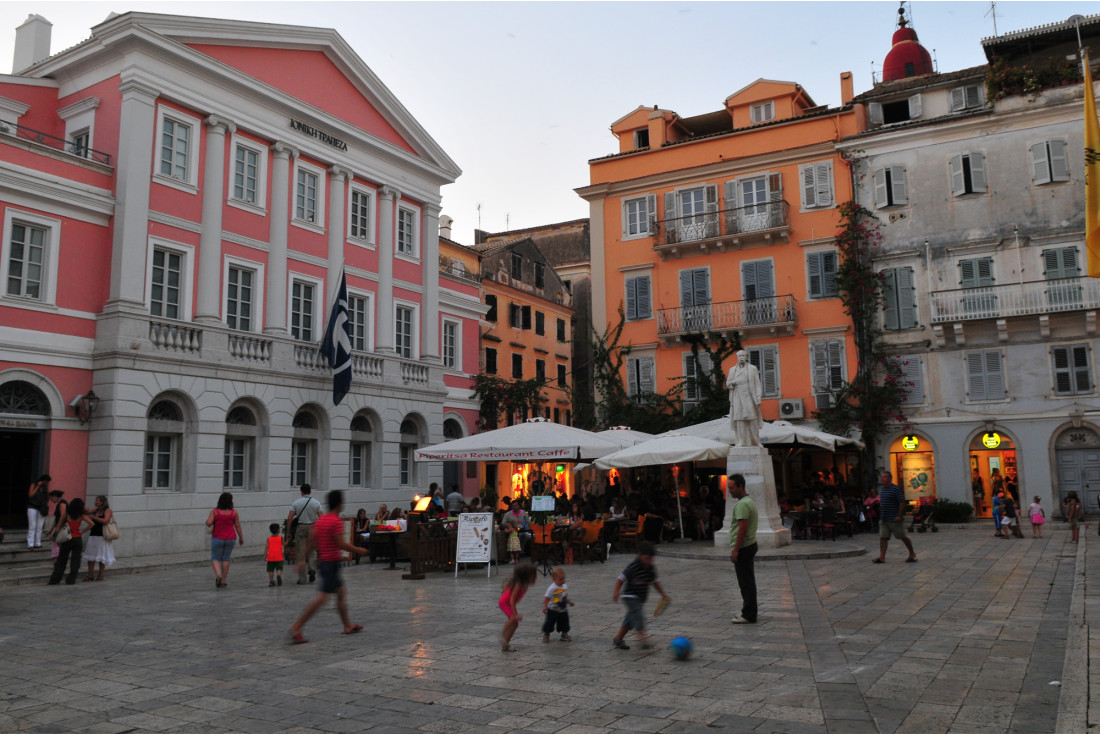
x: 507, y: 649
x: 877, y: 561
x: 298, y: 638
x: 353, y: 629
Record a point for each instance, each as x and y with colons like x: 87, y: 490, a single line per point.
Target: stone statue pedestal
x: 756, y: 465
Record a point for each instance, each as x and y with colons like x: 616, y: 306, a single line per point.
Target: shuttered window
x: 691, y: 373
x: 967, y: 174
x: 1072, y: 371
x: 821, y: 268
x: 889, y: 186
x: 758, y: 291
x: 985, y: 376
x: 817, y: 185
x: 1049, y: 162
x: 899, y: 298
x: 766, y: 360
x: 640, y: 378
x: 638, y: 298
x: 909, y: 373
x: 964, y: 98
x: 828, y: 365
x: 638, y: 214
x: 1060, y: 263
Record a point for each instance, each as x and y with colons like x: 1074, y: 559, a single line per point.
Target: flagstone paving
x: 969, y: 639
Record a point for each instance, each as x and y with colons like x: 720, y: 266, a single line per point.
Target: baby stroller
x: 922, y: 517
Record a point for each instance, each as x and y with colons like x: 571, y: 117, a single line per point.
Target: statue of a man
x: 745, y: 390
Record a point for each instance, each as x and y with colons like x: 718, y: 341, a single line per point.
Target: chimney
x: 847, y: 91
x: 32, y: 43
x: 445, y: 223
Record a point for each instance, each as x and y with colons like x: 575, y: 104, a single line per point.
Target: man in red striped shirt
x: 327, y: 538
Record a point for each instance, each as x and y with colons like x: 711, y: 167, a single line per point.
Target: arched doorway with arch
x: 452, y: 471
x: 24, y: 429
x: 913, y: 464
x: 1077, y: 458
x: 993, y: 469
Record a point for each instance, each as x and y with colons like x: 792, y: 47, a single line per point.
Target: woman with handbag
x: 99, y: 546
x: 67, y: 535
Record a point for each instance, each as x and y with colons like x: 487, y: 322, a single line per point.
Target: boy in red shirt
x: 327, y: 537
x: 274, y: 556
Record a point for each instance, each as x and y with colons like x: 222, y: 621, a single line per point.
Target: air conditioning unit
x: 824, y: 400
x: 791, y: 408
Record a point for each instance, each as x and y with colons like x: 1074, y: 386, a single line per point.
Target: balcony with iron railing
x: 456, y: 269
x: 722, y: 229
x: 22, y: 132
x: 1015, y: 299
x: 750, y: 317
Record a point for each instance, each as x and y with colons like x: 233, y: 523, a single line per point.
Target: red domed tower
x: 907, y: 58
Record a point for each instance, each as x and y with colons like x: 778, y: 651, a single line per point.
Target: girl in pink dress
x: 513, y: 591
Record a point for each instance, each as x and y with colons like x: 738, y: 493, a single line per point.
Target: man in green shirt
x: 743, y: 547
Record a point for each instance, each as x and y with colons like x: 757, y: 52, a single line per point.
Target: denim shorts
x: 330, y: 576
x: 221, y: 548
x: 635, y: 616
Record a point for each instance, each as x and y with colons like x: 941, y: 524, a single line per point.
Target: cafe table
x: 392, y: 536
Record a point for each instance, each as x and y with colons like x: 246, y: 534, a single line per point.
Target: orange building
x: 725, y: 222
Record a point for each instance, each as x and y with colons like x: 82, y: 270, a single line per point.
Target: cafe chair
x: 591, y: 544
x: 631, y: 532
x: 821, y: 524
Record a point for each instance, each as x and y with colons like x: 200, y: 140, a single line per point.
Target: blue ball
x: 681, y: 648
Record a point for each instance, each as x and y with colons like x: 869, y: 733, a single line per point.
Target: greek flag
x: 336, y: 346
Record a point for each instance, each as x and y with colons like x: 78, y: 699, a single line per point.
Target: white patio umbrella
x: 535, y: 440
x: 624, y: 436
x: 772, y: 434
x: 670, y: 448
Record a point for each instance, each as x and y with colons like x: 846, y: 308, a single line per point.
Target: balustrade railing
x: 175, y: 337
x: 250, y: 347
x: 765, y: 312
x: 52, y: 141
x: 729, y: 222
x: 413, y: 372
x: 367, y: 366
x: 1015, y: 299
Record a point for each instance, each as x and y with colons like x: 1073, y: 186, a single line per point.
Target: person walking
x: 327, y: 536
x: 891, y: 501
x: 304, y: 512
x: 38, y: 503
x: 99, y: 548
x: 743, y: 548
x: 1072, y: 510
x: 225, y: 525
x: 70, y: 549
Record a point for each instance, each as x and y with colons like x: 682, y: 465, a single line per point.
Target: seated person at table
x: 397, y: 518
x: 362, y: 523
x: 383, y: 513
x: 576, y: 522
x: 618, y: 509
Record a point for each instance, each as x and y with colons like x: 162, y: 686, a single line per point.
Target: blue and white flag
x: 336, y: 346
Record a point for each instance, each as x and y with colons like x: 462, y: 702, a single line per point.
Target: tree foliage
x: 500, y: 397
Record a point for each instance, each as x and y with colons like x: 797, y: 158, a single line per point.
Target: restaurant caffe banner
x: 475, y: 540
x: 496, y: 455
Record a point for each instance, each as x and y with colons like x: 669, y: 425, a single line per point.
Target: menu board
x: 542, y: 504
x: 475, y: 538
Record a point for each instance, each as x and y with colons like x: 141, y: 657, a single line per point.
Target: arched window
x: 304, y: 449
x: 360, y: 452
x: 239, y: 458
x: 19, y: 397
x: 163, y: 446
x: 410, y: 442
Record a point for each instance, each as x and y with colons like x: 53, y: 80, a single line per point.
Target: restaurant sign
x: 533, y: 454
x: 320, y: 135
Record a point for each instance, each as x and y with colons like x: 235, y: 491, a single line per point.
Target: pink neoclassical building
x: 179, y: 196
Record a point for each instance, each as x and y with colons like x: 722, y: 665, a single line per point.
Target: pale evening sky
x: 521, y: 94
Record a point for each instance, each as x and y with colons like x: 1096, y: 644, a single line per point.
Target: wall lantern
x: 991, y: 440
x: 85, y: 406
x: 910, y: 443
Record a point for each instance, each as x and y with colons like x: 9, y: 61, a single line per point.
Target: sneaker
x: 620, y: 643
x: 566, y: 637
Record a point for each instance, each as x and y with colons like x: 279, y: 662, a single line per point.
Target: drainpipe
x: 1019, y: 262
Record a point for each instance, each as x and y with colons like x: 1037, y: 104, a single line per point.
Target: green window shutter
x: 906, y: 295
x: 890, y: 299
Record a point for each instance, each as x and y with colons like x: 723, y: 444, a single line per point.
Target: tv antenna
x: 993, y: 12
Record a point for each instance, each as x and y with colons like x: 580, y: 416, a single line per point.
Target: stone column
x: 429, y: 309
x: 134, y: 167
x: 756, y: 465
x: 279, y: 217
x: 387, y: 233
x: 207, y: 309
x: 337, y: 186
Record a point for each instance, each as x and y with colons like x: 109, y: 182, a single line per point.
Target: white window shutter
x: 651, y: 213
x: 958, y: 99
x: 1059, y: 161
x: 914, y: 107
x: 670, y: 217
x: 1040, y: 169
x: 878, y: 183
x: 973, y: 95
x: 897, y: 184
x: 977, y: 173
x: 809, y: 186
x: 711, y: 205
x: 958, y: 180
x: 819, y: 357
x: 911, y: 373
x: 768, y: 371
x: 836, y: 364
x: 823, y: 178
x: 648, y: 379
x: 890, y: 298
x: 625, y: 219
x: 731, y: 206
x: 874, y: 113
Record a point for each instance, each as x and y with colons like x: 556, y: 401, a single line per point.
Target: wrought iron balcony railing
x: 50, y: 141
x: 767, y: 313
x: 1015, y: 299
x: 762, y: 219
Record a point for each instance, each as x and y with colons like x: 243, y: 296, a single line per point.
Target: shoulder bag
x: 64, y: 534
x: 110, y: 530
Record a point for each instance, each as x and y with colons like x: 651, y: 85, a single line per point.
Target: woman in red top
x: 70, y: 551
x: 226, y: 530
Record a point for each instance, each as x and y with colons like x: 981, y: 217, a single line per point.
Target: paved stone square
x: 969, y: 639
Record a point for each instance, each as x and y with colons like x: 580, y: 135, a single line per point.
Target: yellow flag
x: 1092, y: 177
